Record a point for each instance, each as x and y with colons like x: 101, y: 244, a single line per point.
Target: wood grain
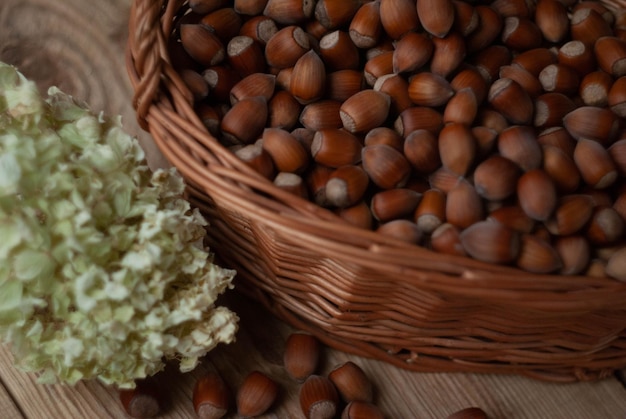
x: 78, y: 45
x: 7, y: 406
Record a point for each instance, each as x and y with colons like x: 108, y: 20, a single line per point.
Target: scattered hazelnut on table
x: 211, y: 396
x: 141, y: 401
x: 256, y: 394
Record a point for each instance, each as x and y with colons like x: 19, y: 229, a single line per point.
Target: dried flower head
x: 102, y: 274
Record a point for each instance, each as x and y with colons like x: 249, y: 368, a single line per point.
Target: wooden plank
x: 78, y: 46
x: 7, y: 405
x: 85, y: 400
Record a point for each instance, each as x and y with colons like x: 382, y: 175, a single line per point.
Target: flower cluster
x: 103, y: 274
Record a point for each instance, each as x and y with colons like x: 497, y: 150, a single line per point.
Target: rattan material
x: 357, y: 290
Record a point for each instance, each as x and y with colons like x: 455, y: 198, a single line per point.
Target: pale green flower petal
x: 10, y: 174
x: 31, y: 264
x: 116, y: 292
x: 72, y: 348
x: 11, y: 234
x: 11, y: 292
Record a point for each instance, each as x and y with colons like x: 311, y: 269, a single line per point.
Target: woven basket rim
x: 213, y: 173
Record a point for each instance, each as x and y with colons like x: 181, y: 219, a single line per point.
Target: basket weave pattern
x: 357, y: 290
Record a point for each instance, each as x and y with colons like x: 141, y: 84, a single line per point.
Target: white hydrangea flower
x: 102, y: 276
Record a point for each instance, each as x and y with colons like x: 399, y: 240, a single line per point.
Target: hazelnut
x: 211, y: 396
x: 318, y: 398
x: 491, y: 242
x: 256, y: 394
x: 301, y: 356
x: 352, y: 382
x: 141, y: 401
x: 361, y: 410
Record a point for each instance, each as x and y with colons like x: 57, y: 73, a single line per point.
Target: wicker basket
x: 357, y: 290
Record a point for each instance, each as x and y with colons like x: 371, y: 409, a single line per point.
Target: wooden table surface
x: 78, y: 45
